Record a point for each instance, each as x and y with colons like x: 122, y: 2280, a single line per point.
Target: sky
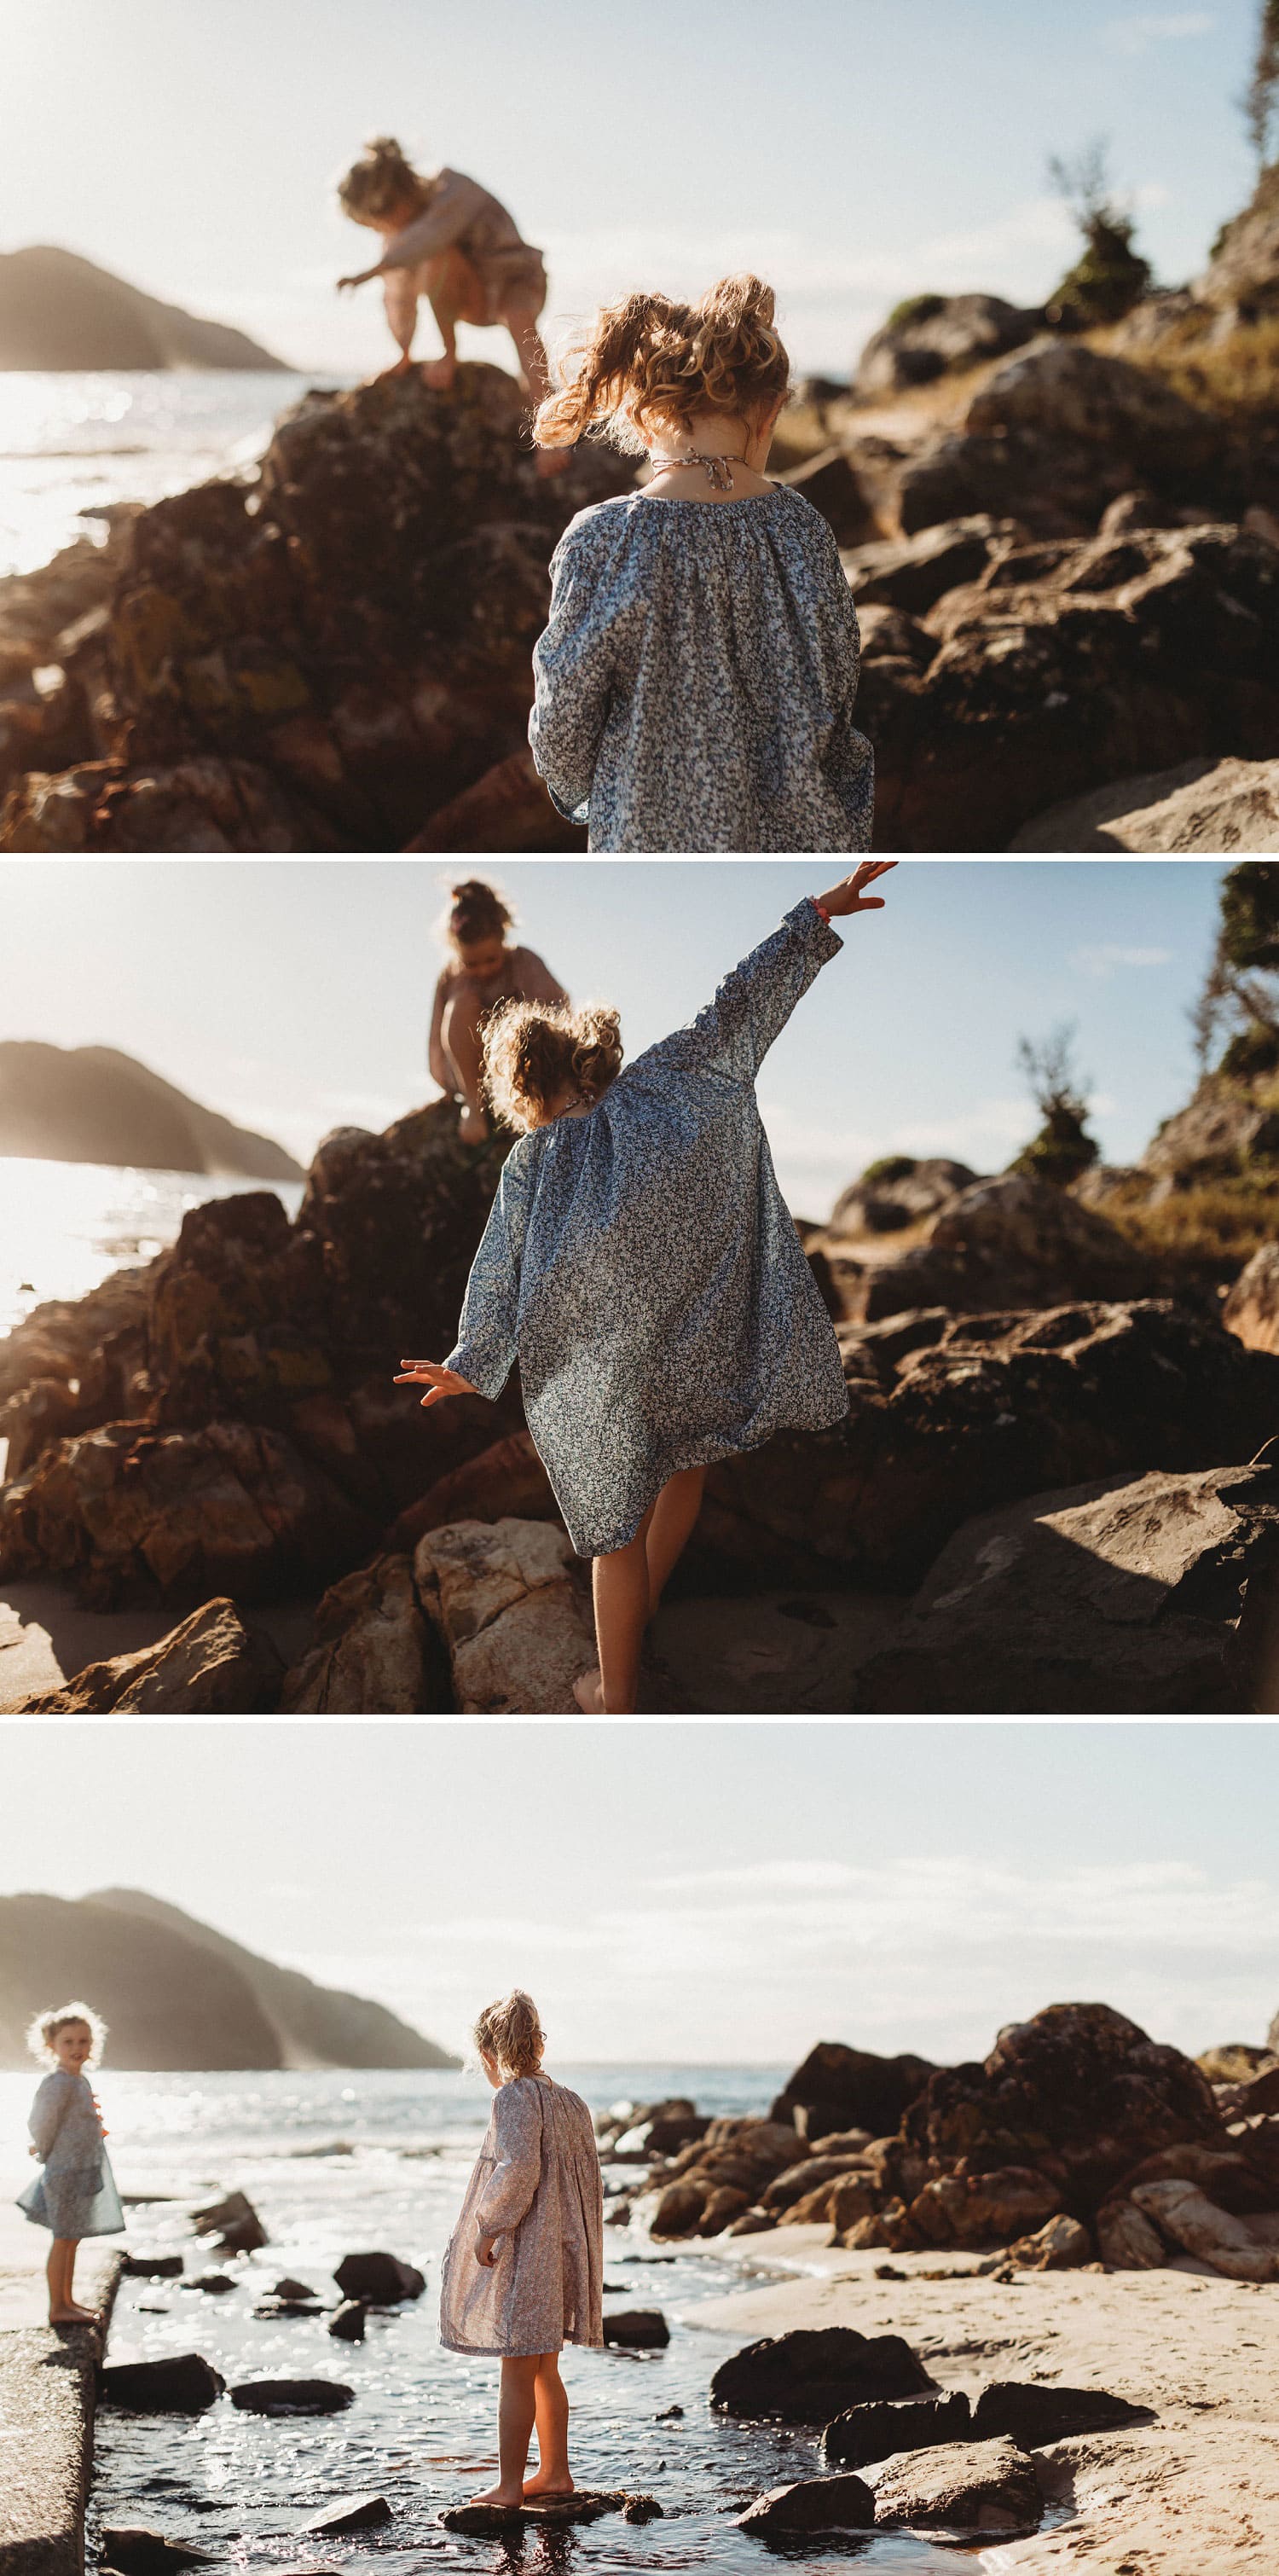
x: 852, y: 151
x: 294, y: 995
x: 727, y: 1893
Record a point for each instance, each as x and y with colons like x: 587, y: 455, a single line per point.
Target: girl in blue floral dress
x: 642, y: 1266
x: 74, y: 2195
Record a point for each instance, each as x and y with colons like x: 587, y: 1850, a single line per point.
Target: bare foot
x: 509, y: 2496
x: 538, y: 2486
x: 588, y: 1691
x: 554, y: 460
x: 402, y: 367
x: 473, y: 1127
x: 73, y: 2316
x: 439, y: 374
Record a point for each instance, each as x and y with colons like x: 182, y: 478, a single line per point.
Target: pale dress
x: 74, y: 2194
x: 642, y: 1265
x: 694, y: 688
x: 461, y: 216
x: 537, y: 2188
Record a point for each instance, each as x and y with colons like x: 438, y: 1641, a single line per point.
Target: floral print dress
x: 695, y: 684
x: 537, y: 2188
x: 642, y: 1265
x: 74, y: 2195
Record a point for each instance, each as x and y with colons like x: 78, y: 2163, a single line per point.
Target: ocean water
x: 65, y: 1226
x: 338, y: 2162
x: 76, y: 443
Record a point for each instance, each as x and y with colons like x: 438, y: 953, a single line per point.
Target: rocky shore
x: 1052, y: 1491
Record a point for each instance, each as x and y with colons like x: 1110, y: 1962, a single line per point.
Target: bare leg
x: 619, y: 1583
x: 521, y: 322
x: 671, y: 1527
x: 60, y: 2272
x: 515, y: 2415
x: 456, y: 295
x: 550, y: 2397
x: 460, y: 1036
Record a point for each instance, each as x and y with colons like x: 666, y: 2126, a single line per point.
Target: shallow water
x: 65, y: 1226
x: 339, y: 2162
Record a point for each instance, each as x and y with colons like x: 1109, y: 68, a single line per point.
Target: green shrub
x: 891, y: 1167
x: 1106, y: 282
x: 1253, y: 1052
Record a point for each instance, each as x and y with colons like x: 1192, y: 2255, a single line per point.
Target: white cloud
x: 1103, y: 959
x: 1135, y: 35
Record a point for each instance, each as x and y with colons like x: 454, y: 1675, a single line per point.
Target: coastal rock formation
x: 717, y: 2177
x: 1014, y: 1240
x: 292, y: 2396
x: 838, y: 2088
x: 381, y: 2277
x: 898, y: 1192
x: 210, y: 1666
x: 1252, y: 1308
x: 510, y: 1602
x: 810, y: 2376
x: 1123, y: 1595
x: 986, y: 2490
x: 811, y: 2504
x: 183, y: 2383
x: 200, y: 804
x: 371, y: 1650
x: 882, y: 2430
x: 1185, y: 2215
x: 1201, y: 805
x: 95, y: 1105
x: 58, y: 310
x: 1034, y: 2413
x: 931, y: 335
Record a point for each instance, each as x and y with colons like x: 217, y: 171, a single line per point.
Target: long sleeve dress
x: 461, y: 216
x: 695, y: 684
x: 642, y: 1265
x: 537, y: 2188
x: 74, y: 2194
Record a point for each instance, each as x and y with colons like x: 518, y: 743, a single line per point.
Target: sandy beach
x: 1192, y: 2493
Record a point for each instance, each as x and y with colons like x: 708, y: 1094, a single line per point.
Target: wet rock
x: 215, y: 2285
x: 382, y: 2278
x: 1113, y: 1596
x: 588, y: 2504
x: 347, y: 2323
x: 151, y: 2267
x: 1183, y: 2214
x: 839, y: 2088
x: 1060, y: 2245
x: 933, y: 335
x: 1200, y: 805
x: 134, y: 2551
x: 283, y: 2308
x: 654, y: 2129
x: 983, y: 2489
x: 234, y: 2222
x: 354, y: 2513
x: 370, y: 1654
x: 1251, y: 1310
x: 1034, y: 2413
x: 510, y: 1603
x: 811, y: 2504
x: 182, y: 2383
x: 210, y: 1665
x: 880, y: 2431
x: 637, y: 2329
x: 809, y: 2377
x: 291, y: 2396
x: 290, y: 2289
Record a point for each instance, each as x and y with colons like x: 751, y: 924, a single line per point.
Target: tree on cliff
x: 1260, y: 101
x: 1063, y: 1148
x: 1241, y: 988
x: 1109, y: 277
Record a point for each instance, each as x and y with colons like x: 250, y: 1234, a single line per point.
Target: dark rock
x: 832, y: 483
x: 983, y: 2488
x: 898, y: 1192
x: 808, y: 2377
x: 347, y: 2322
x: 637, y: 2329
x: 209, y: 1666
x: 811, y: 2504
x: 151, y: 2267
x: 291, y: 2396
x: 715, y: 2179
x: 1115, y: 1596
x: 913, y: 573
x: 234, y: 2222
x: 355, y: 2513
x: 932, y: 335
x: 1011, y: 1241
x: 135, y: 2551
x: 382, y: 2278
x: 838, y: 2087
x: 588, y: 2504
x: 506, y: 1481
x: 182, y: 2383
x: 290, y: 2289
x: 798, y: 2183
x: 216, y: 2284
x: 1034, y: 2414
x: 879, y: 2431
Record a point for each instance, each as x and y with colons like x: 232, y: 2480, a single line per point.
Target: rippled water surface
x: 64, y: 1226
x: 336, y: 2163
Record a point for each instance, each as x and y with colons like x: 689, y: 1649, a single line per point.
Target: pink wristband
x: 821, y: 908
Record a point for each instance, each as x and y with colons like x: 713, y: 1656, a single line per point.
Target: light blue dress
x: 642, y: 1265
x: 75, y: 2194
x: 695, y: 684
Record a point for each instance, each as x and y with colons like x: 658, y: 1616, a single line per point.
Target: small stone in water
x: 355, y: 2513
x: 668, y: 2414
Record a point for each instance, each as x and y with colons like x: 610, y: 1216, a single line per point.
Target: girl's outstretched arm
x: 508, y: 2194
x: 733, y: 1034
x: 573, y: 674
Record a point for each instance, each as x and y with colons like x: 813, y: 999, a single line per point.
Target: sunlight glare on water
x: 65, y: 1226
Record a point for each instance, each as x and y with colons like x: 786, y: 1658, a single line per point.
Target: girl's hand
x: 849, y: 895
x: 361, y: 278
x: 438, y: 1381
x: 33, y: 2151
x: 485, y: 2252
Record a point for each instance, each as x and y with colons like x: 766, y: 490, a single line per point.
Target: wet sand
x: 1194, y: 2493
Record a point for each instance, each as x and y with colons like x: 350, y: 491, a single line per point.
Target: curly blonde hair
x: 534, y: 1051
x: 383, y: 180
x: 43, y: 2031
x: 511, y: 2033
x: 653, y: 363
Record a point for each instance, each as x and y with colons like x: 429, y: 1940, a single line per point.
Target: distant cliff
x: 178, y: 1996
x: 59, y: 311
x: 95, y: 1105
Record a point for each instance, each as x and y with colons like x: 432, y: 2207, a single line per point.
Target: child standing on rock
x: 524, y: 2269
x: 695, y: 684
x: 484, y: 969
x: 74, y: 2195
x: 642, y: 1265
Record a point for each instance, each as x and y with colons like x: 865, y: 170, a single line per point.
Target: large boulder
x: 811, y: 2375
x: 1201, y: 805
x: 181, y: 2383
x: 934, y: 335
x: 210, y: 1666
x: 850, y: 2088
x: 913, y: 573
x: 897, y: 1192
x: 1227, y: 1123
x: 370, y: 1654
x: 1180, y: 2211
x: 1015, y: 1240
x: 984, y: 2489
x: 345, y: 640
x: 881, y: 2430
x: 510, y: 1604
x: 717, y: 2177
x: 1241, y: 282
x: 1122, y: 1596
x: 811, y: 2504
x: 1251, y: 1310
